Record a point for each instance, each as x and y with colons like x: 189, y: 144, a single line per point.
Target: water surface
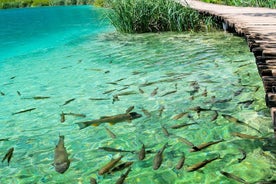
x: 68, y: 53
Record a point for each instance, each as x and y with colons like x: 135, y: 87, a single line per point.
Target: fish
x: 68, y: 101
x: 8, y: 155
x: 75, y: 114
x: 4, y: 139
x: 246, y: 103
x: 19, y: 94
x: 205, y: 93
x: 12, y: 77
x: 23, y: 111
x: 146, y: 112
x: 239, y: 92
x: 185, y: 141
x: 40, y: 97
x: 182, y: 125
x: 243, y: 155
x: 123, y: 177
x: 142, y: 152
x: 141, y: 91
x: 181, y: 162
x: 168, y: 93
x: 129, y: 109
x: 115, y: 150
x: 234, y: 177
x: 161, y: 110
x: 98, y: 99
x: 93, y: 180
x: 245, y: 136
x: 115, y: 99
x: 165, y: 131
x: 110, y: 119
x: 205, y: 145
x: 106, y: 168
x: 180, y: 115
x: 235, y: 120
x: 61, y: 161
x: 201, y: 164
x: 198, y: 109
x: 109, y: 91
x: 120, y: 167
x: 123, y: 88
x: 110, y: 133
x: 154, y: 92
x: 215, y: 116
x: 120, y: 79
x: 158, y: 158
x: 126, y: 93
x: 62, y: 117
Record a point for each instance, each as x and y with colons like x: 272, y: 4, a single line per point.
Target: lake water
x: 50, y: 56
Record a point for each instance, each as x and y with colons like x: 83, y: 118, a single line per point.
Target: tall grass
x: 253, y: 3
x: 140, y: 16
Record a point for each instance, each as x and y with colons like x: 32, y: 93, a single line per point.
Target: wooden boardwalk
x: 258, y: 26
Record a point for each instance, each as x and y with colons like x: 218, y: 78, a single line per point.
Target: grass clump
x: 140, y: 16
x: 249, y: 3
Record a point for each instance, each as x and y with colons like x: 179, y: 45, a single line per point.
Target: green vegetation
x: 139, y: 16
x: 4, y: 4
x: 254, y: 3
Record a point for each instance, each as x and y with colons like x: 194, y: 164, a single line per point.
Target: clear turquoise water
x: 69, y: 52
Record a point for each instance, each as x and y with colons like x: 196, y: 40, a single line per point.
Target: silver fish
x: 61, y: 161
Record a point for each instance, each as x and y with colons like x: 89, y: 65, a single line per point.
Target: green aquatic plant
x: 253, y: 3
x: 140, y: 16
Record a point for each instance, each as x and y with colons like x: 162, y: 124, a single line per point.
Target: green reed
x: 140, y: 16
x: 253, y: 3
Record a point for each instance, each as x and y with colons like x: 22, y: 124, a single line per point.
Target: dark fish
x: 142, y: 152
x: 244, y: 136
x: 201, y: 164
x: 120, y: 79
x: 5, y: 139
x: 215, y: 116
x: 243, y: 155
x: 123, y: 177
x: 141, y: 91
x: 41, y: 98
x: 154, y: 92
x: 123, y: 88
x: 126, y: 93
x: 180, y: 115
x: 205, y: 145
x: 146, y: 112
x: 120, y: 167
x: 61, y: 161
x: 115, y: 150
x: 198, y: 109
x: 106, y: 168
x: 113, y: 83
x: 68, y: 101
x: 129, y: 109
x: 205, y: 93
x: 169, y: 92
x: 158, y: 158
x: 234, y: 177
x: 98, y: 99
x: 161, y: 110
x: 246, y: 103
x: 239, y: 92
x: 75, y: 114
x: 62, y: 117
x: 109, y: 91
x: 185, y: 141
x: 180, y: 162
x: 3, y: 94
x: 93, y: 181
x: 110, y: 133
x: 12, y: 77
x: 182, y: 125
x: 8, y: 155
x: 165, y: 131
x: 19, y: 94
x: 115, y: 99
x: 235, y: 120
x: 223, y: 101
x: 27, y: 110
x: 110, y: 119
